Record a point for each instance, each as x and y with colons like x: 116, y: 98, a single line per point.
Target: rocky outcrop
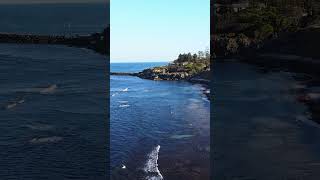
x: 162, y: 73
x: 177, y: 72
x: 172, y: 72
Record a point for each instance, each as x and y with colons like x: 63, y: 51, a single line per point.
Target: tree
x: 189, y: 57
x: 194, y: 57
x: 207, y: 53
x: 200, y: 54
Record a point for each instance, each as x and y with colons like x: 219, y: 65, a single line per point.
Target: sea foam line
x: 151, y: 166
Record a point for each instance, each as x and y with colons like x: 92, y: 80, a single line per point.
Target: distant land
x: 99, y: 42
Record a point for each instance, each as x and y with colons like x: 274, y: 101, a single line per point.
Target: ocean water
x: 261, y: 130
x: 158, y: 129
x: 54, y: 19
x: 134, y: 67
x: 53, y: 99
x: 53, y: 113
x: 53, y: 104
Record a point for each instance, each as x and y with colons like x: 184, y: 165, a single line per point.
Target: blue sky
x: 158, y: 30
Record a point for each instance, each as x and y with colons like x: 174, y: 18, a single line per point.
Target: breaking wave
x: 151, y: 166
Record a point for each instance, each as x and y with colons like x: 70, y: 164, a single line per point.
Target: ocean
x: 261, y: 128
x: 158, y: 129
x: 54, y: 19
x: 53, y: 102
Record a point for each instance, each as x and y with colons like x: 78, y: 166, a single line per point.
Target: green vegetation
x: 202, y: 57
x: 263, y: 19
x: 244, y: 26
x: 192, y: 63
x: 266, y: 22
x: 185, y: 67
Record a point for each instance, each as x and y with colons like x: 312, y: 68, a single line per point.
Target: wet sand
x: 261, y: 130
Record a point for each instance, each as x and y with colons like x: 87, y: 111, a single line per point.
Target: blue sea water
x: 54, y: 19
x: 134, y: 67
x: 53, y: 115
x: 53, y: 102
x: 158, y: 129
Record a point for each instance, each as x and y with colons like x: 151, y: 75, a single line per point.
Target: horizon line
x: 155, y: 61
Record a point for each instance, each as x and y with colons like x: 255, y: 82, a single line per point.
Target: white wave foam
x: 118, y: 91
x: 49, y: 89
x: 11, y: 105
x: 52, y: 139
x: 21, y: 101
x: 182, y: 136
x: 40, y: 127
x: 14, y: 104
x: 123, y: 102
x: 42, y: 90
x: 124, y: 105
x: 151, y: 166
x: 205, y: 99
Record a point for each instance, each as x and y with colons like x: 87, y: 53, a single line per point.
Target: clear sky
x: 158, y: 30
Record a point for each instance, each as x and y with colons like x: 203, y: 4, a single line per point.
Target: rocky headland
x: 194, y: 68
x: 281, y: 35
x: 251, y: 28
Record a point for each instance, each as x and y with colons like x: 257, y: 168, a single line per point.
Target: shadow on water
x: 261, y: 129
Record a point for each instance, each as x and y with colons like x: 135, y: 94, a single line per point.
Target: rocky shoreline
x: 289, y: 51
x: 275, y: 38
x: 162, y: 74
x: 205, y: 83
x: 298, y: 47
x: 193, y: 68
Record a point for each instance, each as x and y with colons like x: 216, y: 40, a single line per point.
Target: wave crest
x: 151, y: 166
